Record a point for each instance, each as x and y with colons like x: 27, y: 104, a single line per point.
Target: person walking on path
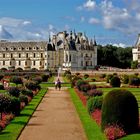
x: 59, y: 83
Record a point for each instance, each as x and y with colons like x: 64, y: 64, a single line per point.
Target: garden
x: 112, y: 101
x: 19, y: 97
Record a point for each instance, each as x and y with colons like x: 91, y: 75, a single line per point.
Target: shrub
x: 125, y: 79
x: 31, y: 85
x: 103, y: 75
x: 1, y: 87
x: 93, y: 86
x: 134, y: 80
x: 79, y: 83
x: 120, y: 107
x: 5, y: 102
x: 108, y: 78
x: 86, y: 76
x: 15, y: 106
x: 14, y: 91
x: 67, y: 72
x: 93, y: 79
x: 27, y: 93
x: 45, y: 78
x: 16, y: 79
x: 85, y: 87
x: 95, y: 92
x: 74, y: 80
x: 94, y: 103
x: 37, y: 80
x: 1, y: 77
x: 115, y: 81
x: 23, y: 98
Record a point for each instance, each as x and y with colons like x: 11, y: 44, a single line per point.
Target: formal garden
x: 107, y: 104
x: 112, y: 101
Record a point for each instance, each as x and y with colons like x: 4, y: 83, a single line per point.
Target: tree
x: 134, y: 64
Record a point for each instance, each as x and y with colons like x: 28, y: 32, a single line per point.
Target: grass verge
x: 92, y: 130
x: 13, y: 130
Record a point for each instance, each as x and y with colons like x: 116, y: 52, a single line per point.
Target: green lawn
x: 92, y: 130
x: 13, y: 130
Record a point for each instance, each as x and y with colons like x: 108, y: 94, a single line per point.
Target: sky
x: 114, y: 22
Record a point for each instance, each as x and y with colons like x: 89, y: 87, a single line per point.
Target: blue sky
x: 111, y: 21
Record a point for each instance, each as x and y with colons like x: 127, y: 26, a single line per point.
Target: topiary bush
x: 14, y: 91
x: 37, y: 80
x: 15, y: 106
x: 74, y: 80
x: 120, y: 107
x: 16, y: 79
x: 45, y: 78
x: 79, y: 83
x: 115, y: 81
x: 94, y: 103
x: 23, y: 98
x: 134, y: 80
x: 31, y: 85
x: 27, y: 93
x: 95, y: 92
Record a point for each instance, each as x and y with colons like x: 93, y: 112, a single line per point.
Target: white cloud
x: 26, y: 22
x: 89, y: 5
x: 94, y: 21
x: 122, y: 45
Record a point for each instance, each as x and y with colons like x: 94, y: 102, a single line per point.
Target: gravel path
x: 55, y: 119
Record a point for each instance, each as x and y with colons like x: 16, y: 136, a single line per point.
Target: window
x: 40, y: 63
x: 34, y: 63
x: 19, y: 63
x: 4, y: 55
x: 81, y: 63
x: 19, y: 55
x: 41, y: 55
x: 11, y: 55
x: 70, y: 58
x: 34, y: 54
x: 3, y: 62
x: 25, y: 63
x: 10, y: 63
x: 26, y: 55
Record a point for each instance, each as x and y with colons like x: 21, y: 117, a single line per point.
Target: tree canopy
x: 114, y: 56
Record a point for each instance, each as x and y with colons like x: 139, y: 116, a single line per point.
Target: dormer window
x: 19, y: 48
x: 4, y: 49
x: 27, y: 48
x: 34, y: 48
x: 11, y: 48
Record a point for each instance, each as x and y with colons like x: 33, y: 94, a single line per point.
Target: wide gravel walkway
x: 55, y: 119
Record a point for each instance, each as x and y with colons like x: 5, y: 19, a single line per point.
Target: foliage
x: 121, y: 56
x: 37, y: 80
x: 45, y: 78
x: 86, y: 76
x: 27, y: 93
x: 1, y: 87
x: 94, y: 103
x: 16, y: 79
x: 74, y: 80
x: 85, y: 87
x: 67, y: 72
x: 79, y: 83
x: 114, y: 132
x: 5, y: 103
x: 120, y: 107
x: 93, y: 86
x: 103, y: 75
x: 134, y: 80
x: 108, y: 78
x: 95, y: 92
x: 31, y: 85
x: 89, y: 125
x: 115, y: 81
x: 1, y: 77
x: 14, y: 91
x: 134, y: 64
x: 23, y: 98
x: 125, y: 79
x: 20, y: 122
x: 15, y: 106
